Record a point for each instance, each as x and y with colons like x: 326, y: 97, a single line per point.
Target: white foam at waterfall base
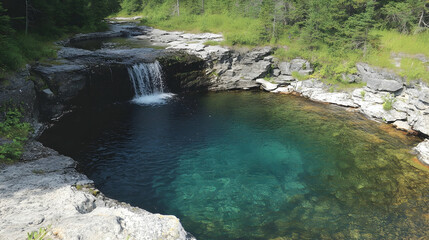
x: 148, y: 84
x: 155, y: 99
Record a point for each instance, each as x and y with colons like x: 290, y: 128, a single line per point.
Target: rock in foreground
x: 49, y: 192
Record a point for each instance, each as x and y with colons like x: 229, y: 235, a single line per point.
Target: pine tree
x: 356, y: 28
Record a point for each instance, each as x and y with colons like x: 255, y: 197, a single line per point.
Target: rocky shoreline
x: 230, y: 69
x: 46, y: 190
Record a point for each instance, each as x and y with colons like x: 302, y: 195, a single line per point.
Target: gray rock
x: 285, y: 68
x: 424, y: 96
x: 276, y: 72
x: 267, y: 86
x: 257, y: 54
x: 377, y: 111
x: 233, y: 84
x: 42, y: 193
x: 287, y: 89
x: 367, y: 72
x: 350, y: 78
x: 284, y: 79
x: 117, y: 30
x: 255, y: 70
x: 18, y: 90
x: 338, y: 98
x: 296, y: 65
x: 384, y: 85
x: 48, y: 93
x: 306, y: 72
x: 421, y: 123
x: 422, y: 151
x: 402, y: 125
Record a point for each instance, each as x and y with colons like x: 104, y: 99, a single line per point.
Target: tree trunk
x: 178, y: 8
x: 274, y: 26
x: 202, y: 5
x: 26, y: 17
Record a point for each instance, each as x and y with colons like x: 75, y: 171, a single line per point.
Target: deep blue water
x: 243, y: 165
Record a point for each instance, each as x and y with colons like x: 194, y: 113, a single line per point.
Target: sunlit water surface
x: 245, y: 165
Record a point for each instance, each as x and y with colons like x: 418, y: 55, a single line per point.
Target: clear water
x: 243, y: 165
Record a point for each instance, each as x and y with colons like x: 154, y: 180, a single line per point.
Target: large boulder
x: 384, y: 85
x: 380, y: 79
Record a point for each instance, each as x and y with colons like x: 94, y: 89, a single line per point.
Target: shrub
x: 38, y: 235
x: 16, y: 132
x: 389, y: 100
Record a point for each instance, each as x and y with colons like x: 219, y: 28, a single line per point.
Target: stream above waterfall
x: 251, y: 165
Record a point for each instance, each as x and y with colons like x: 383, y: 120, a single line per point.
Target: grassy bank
x: 20, y: 49
x: 330, y: 62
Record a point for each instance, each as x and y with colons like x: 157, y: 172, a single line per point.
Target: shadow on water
x: 245, y: 165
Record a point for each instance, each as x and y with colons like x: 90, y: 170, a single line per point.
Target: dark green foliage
x: 15, y: 132
x: 337, y: 23
x: 406, y: 15
x: 47, y: 20
x: 356, y: 28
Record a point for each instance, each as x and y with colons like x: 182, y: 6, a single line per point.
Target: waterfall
x: 148, y: 85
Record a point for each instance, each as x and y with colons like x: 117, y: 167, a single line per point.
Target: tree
x: 405, y: 15
x: 266, y: 18
x: 5, y: 28
x: 356, y: 28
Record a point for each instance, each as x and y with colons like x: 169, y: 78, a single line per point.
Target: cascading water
x: 148, y: 85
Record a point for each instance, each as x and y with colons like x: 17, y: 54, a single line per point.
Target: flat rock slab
x: 338, y: 98
x: 267, y: 86
x: 41, y: 193
x: 384, y: 85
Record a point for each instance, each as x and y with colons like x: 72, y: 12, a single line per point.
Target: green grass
x: 414, y: 69
x: 393, y: 43
x: 330, y: 63
x: 18, y: 50
x: 236, y: 30
x: 401, y: 43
